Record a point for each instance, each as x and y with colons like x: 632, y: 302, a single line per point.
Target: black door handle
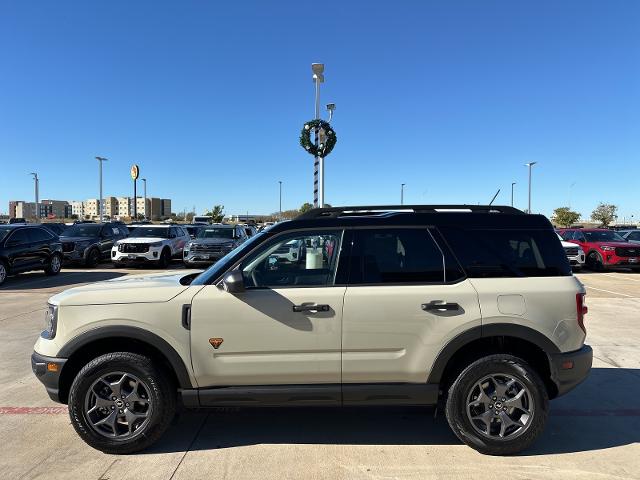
x: 311, y: 307
x: 440, y: 306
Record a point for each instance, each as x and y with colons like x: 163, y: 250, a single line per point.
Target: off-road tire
x: 456, y: 405
x: 162, y: 394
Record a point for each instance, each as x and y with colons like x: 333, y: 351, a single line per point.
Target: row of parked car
x: 600, y: 249
x: 25, y: 247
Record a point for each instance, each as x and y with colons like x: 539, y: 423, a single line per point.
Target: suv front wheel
x: 120, y: 403
x: 498, y: 405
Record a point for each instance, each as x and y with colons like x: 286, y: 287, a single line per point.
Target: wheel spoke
x: 110, y: 421
x: 506, y: 422
x: 484, y: 418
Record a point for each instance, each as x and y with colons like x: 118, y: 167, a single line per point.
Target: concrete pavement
x: 593, y: 432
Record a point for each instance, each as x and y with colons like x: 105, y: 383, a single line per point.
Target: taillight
x: 581, y: 310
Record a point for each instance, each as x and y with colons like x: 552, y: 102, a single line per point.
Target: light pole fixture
x: 36, y: 182
x: 512, y: 185
x: 331, y: 107
x: 402, y: 193
x: 318, y: 164
x: 144, y: 182
x: 100, y: 209
x: 280, y: 210
x: 530, y: 164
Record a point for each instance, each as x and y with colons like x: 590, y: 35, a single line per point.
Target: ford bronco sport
x: 471, y: 307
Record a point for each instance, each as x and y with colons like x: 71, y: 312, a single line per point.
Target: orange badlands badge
x: 215, y: 342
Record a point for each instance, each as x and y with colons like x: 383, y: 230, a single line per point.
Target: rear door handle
x: 440, y: 306
x: 311, y: 307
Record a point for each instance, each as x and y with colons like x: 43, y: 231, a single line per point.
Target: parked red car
x: 604, y: 248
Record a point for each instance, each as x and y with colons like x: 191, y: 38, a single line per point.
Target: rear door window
x: 39, y: 235
x: 395, y: 256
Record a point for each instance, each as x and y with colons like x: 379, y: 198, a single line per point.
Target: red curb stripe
x: 32, y: 410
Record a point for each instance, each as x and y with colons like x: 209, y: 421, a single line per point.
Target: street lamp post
x: 280, y: 210
x: 402, y: 193
x: 100, y: 208
x: 318, y: 164
x: 512, y: 185
x: 36, y: 182
x: 530, y: 164
x: 144, y: 182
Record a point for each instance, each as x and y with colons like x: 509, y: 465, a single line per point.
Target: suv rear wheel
x: 54, y: 265
x: 119, y: 403
x: 498, y: 405
x: 4, y: 272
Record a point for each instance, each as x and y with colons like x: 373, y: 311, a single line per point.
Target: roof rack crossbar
x: 332, y: 212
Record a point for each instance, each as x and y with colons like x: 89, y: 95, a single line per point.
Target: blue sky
x: 449, y: 97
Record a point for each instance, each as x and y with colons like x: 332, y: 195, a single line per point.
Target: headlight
x: 50, y: 322
x: 608, y: 249
x: 580, y: 251
x: 187, y: 247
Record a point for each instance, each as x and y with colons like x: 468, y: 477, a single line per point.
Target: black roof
x: 472, y: 216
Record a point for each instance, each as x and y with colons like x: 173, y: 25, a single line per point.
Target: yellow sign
x: 135, y: 171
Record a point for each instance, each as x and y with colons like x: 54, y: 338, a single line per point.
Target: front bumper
x: 48, y: 370
x: 153, y: 255
x: 576, y: 260
x: 568, y: 370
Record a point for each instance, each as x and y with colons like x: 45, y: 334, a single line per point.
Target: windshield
x: 149, y: 232
x: 215, y: 233
x: 82, y: 230
x: 603, y: 236
x: 4, y: 231
x: 229, y: 259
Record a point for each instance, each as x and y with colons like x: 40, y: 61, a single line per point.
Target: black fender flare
x: 125, y: 331
x: 485, y: 331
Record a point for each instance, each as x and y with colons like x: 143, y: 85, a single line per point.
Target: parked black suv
x: 89, y: 243
x: 24, y: 248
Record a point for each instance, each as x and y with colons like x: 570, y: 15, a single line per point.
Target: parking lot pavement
x: 593, y: 432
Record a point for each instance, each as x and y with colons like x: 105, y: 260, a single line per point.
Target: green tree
x: 217, y: 213
x: 305, y: 207
x: 564, y: 216
x: 605, y: 213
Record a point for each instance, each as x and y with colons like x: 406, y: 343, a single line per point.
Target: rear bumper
x: 568, y: 370
x: 48, y: 370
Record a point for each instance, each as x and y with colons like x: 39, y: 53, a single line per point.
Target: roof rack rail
x: 333, y: 212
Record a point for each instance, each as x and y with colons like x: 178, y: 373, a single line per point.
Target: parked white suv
x: 150, y: 244
x: 574, y: 253
x: 474, y: 308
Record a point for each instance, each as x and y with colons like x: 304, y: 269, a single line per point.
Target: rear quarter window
x: 508, y: 252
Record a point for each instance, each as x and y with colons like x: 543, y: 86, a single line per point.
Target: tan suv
x: 472, y: 307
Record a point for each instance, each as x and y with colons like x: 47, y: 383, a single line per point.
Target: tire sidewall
x: 165, y: 258
x: 597, y: 262
x: 161, y: 395
x: 457, y: 404
x: 93, y: 257
x: 6, y: 272
x: 49, y: 270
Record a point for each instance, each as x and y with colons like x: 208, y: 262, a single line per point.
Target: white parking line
x: 608, y: 291
x: 624, y: 277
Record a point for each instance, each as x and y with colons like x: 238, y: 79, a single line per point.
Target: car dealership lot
x: 594, y: 429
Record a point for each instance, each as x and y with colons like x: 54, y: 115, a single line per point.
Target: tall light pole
x: 512, y: 185
x: 530, y: 164
x: 144, y: 182
x: 100, y: 209
x: 318, y: 164
x: 36, y: 182
x: 280, y: 210
x: 570, y: 187
x: 402, y: 193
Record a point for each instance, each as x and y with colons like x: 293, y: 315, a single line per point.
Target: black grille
x: 68, y: 246
x: 133, y: 247
x: 571, y: 251
x: 628, y: 251
x: 208, y: 248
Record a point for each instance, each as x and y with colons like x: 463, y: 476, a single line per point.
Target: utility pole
x: 36, y: 182
x: 280, y: 210
x: 402, y: 193
x: 530, y: 164
x: 100, y: 207
x: 512, y: 184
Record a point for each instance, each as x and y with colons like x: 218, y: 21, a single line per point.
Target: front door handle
x: 441, y: 307
x: 311, y: 307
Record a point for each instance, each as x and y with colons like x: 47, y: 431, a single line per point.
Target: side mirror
x: 233, y: 282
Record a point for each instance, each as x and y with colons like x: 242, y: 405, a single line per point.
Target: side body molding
x: 128, y: 332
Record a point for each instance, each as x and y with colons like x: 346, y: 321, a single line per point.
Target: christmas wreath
x: 326, y: 138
